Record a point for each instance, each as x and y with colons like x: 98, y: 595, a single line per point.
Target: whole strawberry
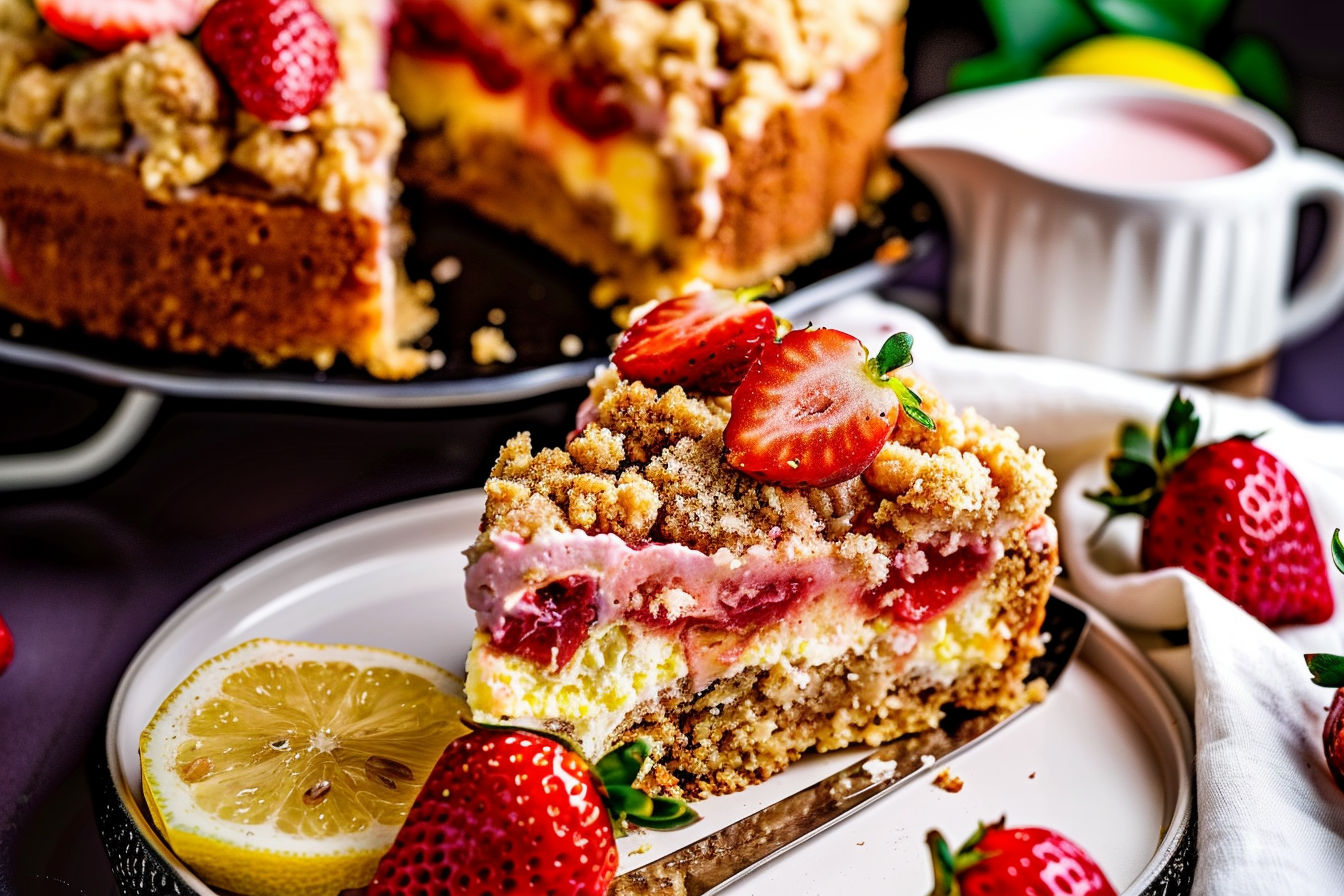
x: 815, y: 410
x: 513, y: 811
x: 1328, y: 670
x: 278, y: 56
x: 704, y: 341
x: 1229, y: 512
x: 6, y: 646
x: 107, y: 25
x: 1003, y: 861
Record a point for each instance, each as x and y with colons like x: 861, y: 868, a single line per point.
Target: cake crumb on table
x: 948, y: 781
x: 571, y: 346
x: 893, y: 251
x: 490, y: 346
x: 446, y: 270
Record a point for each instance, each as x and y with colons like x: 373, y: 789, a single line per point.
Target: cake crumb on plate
x: 948, y: 781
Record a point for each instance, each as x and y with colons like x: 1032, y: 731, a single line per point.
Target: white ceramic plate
x: 1105, y: 759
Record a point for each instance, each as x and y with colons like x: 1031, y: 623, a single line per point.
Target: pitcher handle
x: 1320, y: 295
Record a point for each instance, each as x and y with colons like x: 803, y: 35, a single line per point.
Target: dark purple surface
x: 86, y: 573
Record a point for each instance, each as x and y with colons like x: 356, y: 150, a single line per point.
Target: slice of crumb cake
x: 865, y: 573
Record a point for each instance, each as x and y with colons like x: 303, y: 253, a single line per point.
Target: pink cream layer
x: 538, y: 599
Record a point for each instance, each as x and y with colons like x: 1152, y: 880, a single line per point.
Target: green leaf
x: 1177, y: 432
x: 999, y: 67
x: 1163, y: 19
x: 624, y: 801
x: 1337, y: 552
x: 622, y: 765
x: 1204, y: 13
x: 1119, y: 505
x: 1326, y: 669
x: 1260, y: 71
x: 667, y: 814
x: 1037, y: 29
x: 1132, y: 477
x: 1135, y: 442
x: 910, y: 403
x: 895, y: 353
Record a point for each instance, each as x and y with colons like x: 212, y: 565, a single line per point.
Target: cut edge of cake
x: 724, y: 142
x: 640, y: 503
x: 139, y: 203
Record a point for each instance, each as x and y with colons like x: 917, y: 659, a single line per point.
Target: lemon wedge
x: 288, y: 768
x: 1136, y: 56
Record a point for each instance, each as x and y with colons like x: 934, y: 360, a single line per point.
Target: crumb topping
x: 695, y: 75
x: 159, y: 106
x: 648, y: 465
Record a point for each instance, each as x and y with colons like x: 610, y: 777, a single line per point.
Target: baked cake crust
x: 646, y: 468
x: 755, y: 128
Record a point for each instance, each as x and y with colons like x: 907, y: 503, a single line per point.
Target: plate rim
x: 1104, y: 638
x: 422, y: 393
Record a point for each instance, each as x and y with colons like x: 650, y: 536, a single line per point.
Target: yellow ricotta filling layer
x: 614, y: 672
x: 624, y: 172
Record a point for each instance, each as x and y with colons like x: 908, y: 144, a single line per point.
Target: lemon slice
x: 287, y: 768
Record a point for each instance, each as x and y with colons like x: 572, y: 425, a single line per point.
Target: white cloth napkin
x: 1271, y: 820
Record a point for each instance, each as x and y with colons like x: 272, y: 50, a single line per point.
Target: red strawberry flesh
x: 6, y: 646
x: 432, y: 28
x: 1003, y: 861
x: 503, y: 812
x: 1236, y: 517
x: 548, y: 624
x: 918, y: 598
x: 107, y: 25
x: 1333, y: 738
x: 278, y: 56
x: 808, y: 413
x: 705, y: 341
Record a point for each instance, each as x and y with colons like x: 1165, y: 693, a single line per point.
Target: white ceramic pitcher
x: 1173, y: 276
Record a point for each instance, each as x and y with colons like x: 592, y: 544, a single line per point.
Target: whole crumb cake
x: 659, y: 143
x: 139, y: 201
x: 633, y: 583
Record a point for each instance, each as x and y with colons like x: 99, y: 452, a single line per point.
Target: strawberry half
x: 1327, y: 670
x: 1003, y: 861
x: 815, y: 410
x: 705, y: 341
x: 278, y: 56
x: 1229, y: 512
x: 513, y: 811
x: 107, y: 25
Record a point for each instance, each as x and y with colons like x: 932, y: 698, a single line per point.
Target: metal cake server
x: 714, y: 862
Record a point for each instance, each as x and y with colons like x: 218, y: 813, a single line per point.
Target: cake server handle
x: 714, y: 862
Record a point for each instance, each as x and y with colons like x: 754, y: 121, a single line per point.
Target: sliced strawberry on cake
x: 821, y: 558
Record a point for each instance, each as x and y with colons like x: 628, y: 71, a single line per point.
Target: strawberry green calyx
x: 895, y: 354
x: 617, y: 772
x: 1337, y: 552
x: 768, y: 290
x: 947, y: 866
x: 1327, y: 669
x: 1144, y: 462
x: 615, y: 775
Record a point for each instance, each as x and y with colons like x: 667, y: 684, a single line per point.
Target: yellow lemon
x: 283, y: 768
x: 1144, y: 57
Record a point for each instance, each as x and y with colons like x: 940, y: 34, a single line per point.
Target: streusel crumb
x: 648, y: 464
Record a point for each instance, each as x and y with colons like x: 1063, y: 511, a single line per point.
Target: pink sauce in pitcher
x: 1117, y: 146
